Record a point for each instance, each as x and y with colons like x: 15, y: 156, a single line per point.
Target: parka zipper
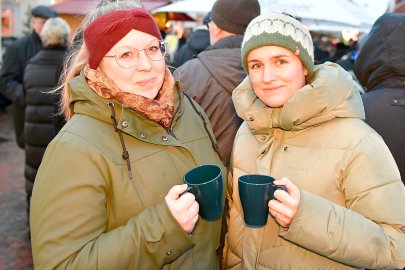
x: 279, y: 145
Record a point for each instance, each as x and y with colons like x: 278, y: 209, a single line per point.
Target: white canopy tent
x: 332, y: 15
x: 187, y: 6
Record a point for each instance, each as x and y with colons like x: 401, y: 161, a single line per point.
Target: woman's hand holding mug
x: 285, y: 205
x: 184, y: 208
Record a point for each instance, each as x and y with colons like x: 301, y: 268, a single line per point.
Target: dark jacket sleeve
x: 11, y: 76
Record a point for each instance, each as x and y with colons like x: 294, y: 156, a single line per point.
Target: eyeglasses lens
x: 128, y: 57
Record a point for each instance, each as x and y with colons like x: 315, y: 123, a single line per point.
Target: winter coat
x: 351, y: 212
x: 86, y: 211
x: 210, y: 79
x: 11, y: 78
x: 380, y: 68
x: 196, y: 43
x: 41, y: 121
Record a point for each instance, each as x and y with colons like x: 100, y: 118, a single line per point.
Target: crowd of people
x: 110, y: 128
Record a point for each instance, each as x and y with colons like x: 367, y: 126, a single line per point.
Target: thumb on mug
x: 175, y: 192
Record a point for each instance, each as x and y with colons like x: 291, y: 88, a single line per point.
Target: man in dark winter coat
x: 15, y: 60
x: 41, y: 76
x: 380, y: 68
x: 211, y: 77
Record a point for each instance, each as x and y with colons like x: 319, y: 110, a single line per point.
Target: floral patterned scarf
x: 159, y: 110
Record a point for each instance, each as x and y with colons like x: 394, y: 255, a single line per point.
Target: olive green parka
x: 88, y: 213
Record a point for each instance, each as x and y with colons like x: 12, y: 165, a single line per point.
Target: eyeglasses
x: 128, y: 57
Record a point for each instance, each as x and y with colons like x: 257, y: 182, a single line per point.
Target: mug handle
x: 187, y: 190
x: 280, y: 187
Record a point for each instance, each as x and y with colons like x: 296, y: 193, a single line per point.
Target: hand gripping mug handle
x: 281, y: 187
x: 187, y: 190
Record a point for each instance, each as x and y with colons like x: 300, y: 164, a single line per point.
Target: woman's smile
x: 145, y: 82
x: 272, y: 88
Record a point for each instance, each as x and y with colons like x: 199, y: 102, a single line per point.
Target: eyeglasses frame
x: 161, y: 43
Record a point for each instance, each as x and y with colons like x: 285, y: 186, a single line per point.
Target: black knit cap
x: 234, y: 15
x: 44, y: 12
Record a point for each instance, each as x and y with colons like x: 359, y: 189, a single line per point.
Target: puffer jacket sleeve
x: 71, y: 195
x: 370, y: 232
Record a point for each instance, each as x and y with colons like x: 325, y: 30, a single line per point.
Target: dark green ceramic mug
x: 255, y: 192
x: 205, y: 182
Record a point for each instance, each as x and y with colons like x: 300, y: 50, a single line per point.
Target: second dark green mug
x: 255, y: 192
x: 205, y: 182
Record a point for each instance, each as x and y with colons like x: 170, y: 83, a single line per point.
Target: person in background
x: 197, y: 41
x: 343, y: 207
x: 109, y: 191
x: 41, y: 76
x: 380, y: 68
x: 348, y: 59
x: 16, y: 58
x: 211, y: 77
x: 340, y: 49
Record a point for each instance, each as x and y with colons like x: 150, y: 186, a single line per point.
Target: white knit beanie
x: 277, y: 29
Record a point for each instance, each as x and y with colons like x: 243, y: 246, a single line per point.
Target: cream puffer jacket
x: 352, y: 208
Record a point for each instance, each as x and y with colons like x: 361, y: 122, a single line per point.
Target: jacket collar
x: 233, y: 41
x: 332, y: 94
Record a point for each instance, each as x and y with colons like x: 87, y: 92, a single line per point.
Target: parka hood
x: 332, y: 94
x: 381, y: 61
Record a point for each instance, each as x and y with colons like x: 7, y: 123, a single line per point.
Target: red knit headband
x: 103, y: 33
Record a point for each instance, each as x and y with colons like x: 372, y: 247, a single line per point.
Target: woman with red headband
x: 108, y: 192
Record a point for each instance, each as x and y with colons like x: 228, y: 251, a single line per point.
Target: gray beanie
x: 234, y: 15
x: 276, y: 29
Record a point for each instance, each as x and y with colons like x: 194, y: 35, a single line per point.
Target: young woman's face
x: 275, y: 74
x: 140, y: 74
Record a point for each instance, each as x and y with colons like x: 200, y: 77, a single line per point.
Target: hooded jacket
x: 351, y: 207
x: 380, y: 68
x: 210, y: 79
x: 88, y: 213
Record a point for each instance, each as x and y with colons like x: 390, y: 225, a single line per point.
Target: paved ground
x: 15, y: 248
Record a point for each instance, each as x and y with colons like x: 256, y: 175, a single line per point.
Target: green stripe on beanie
x: 276, y: 29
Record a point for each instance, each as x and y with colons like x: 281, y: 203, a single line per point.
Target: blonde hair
x: 55, y: 33
x: 78, y: 55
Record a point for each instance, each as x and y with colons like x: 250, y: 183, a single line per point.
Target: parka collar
x: 332, y: 94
